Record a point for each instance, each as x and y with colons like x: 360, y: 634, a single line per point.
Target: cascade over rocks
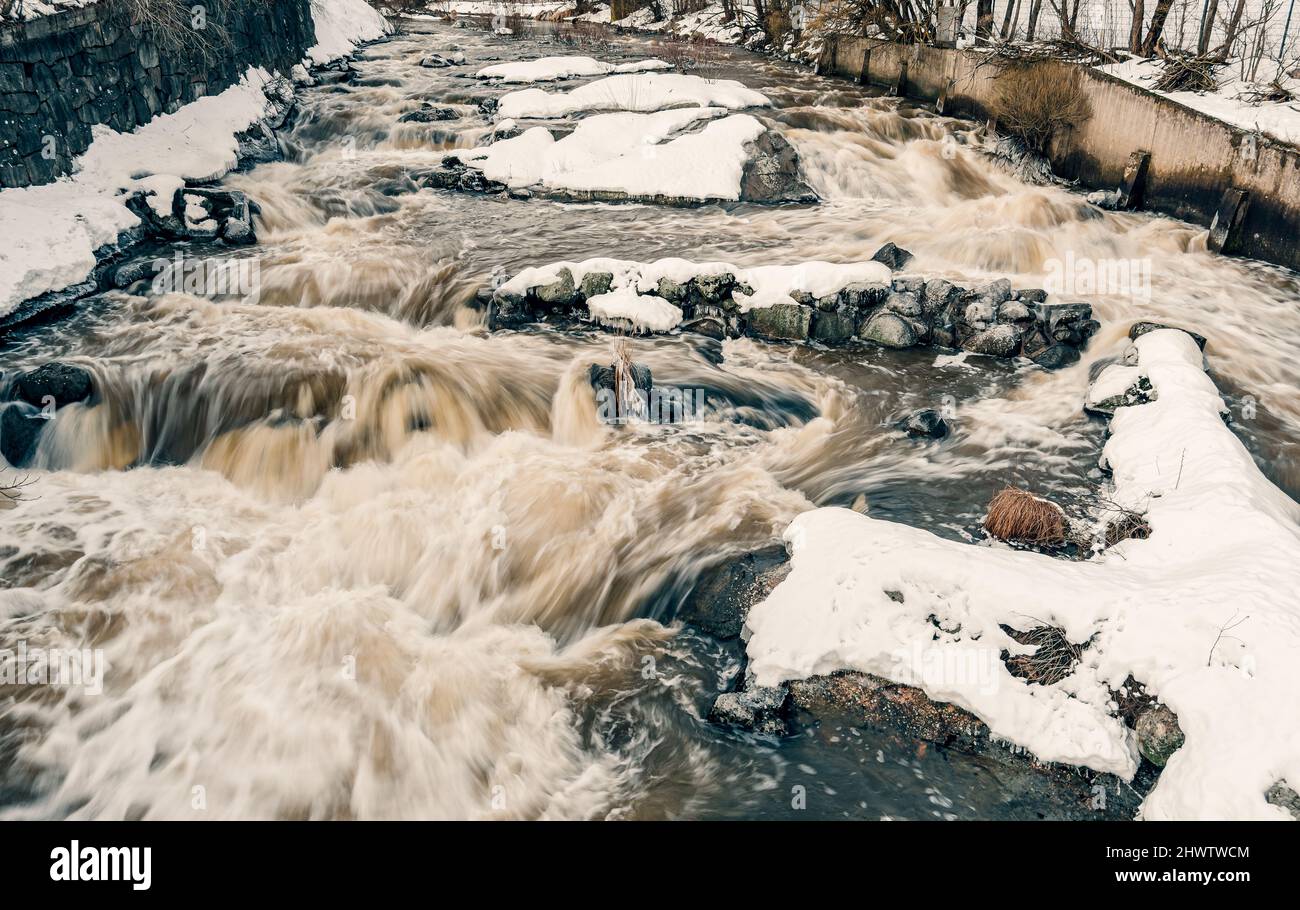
x: 720, y: 301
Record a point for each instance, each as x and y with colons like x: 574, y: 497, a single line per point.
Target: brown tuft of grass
x: 1035, y: 102
x: 1127, y: 526
x: 1017, y: 516
x: 1054, y: 656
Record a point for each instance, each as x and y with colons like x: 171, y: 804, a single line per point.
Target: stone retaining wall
x: 62, y: 74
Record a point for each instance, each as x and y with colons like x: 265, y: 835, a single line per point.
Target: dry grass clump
x: 1054, y: 656
x: 1127, y: 526
x: 1017, y: 516
x: 1037, y: 101
x: 1187, y: 74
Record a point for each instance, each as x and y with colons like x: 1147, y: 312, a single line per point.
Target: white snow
x: 629, y: 153
x: 549, y: 69
x: 48, y: 233
x: 341, y: 25
x: 1278, y: 119
x: 1225, y: 551
x: 643, y: 92
x: 1113, y: 381
x: 646, y: 312
x: 633, y: 289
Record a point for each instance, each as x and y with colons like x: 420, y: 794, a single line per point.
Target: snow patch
x: 341, y: 25
x: 643, y: 92
x: 549, y: 69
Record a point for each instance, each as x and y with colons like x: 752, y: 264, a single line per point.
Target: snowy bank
x: 550, y: 69
x: 341, y: 25
x: 49, y: 234
x: 1224, y: 551
x: 643, y: 92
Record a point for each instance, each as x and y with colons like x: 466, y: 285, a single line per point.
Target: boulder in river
x: 781, y: 322
x: 890, y: 330
x: 61, y: 383
x: 1139, y: 329
x: 926, y: 422
x: 20, y: 429
x: 723, y: 596
x: 429, y: 115
x: 772, y: 173
x: 760, y: 709
x: 893, y: 256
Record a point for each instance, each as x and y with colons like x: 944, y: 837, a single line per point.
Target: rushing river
x: 443, y: 603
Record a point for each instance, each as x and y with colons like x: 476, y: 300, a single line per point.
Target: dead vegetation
x: 1017, y: 516
x: 1053, y: 658
x: 1187, y: 73
x: 15, y: 491
x: 1038, y: 101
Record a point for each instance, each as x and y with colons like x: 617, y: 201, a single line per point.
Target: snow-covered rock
x: 1224, y: 551
x: 550, y: 69
x: 641, y: 92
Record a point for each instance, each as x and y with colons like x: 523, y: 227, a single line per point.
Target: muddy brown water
x: 348, y: 555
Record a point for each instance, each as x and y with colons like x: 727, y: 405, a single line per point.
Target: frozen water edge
x: 1224, y: 551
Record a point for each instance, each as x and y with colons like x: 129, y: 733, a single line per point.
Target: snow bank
x: 1278, y: 119
x: 35, y: 9
x: 1224, y: 551
x: 633, y: 290
x: 49, y: 233
x: 630, y: 154
x: 341, y: 25
x: 642, y: 92
x: 549, y: 69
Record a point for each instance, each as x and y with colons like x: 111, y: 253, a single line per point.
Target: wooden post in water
x: 1133, y: 186
x: 1225, y: 229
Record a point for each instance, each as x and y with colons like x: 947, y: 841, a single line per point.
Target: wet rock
x: 488, y: 106
x: 595, y: 283
x: 927, y: 423
x: 980, y: 314
x: 863, y: 295
x: 429, y: 115
x: 772, y: 173
x: 1057, y: 356
x: 891, y: 705
x: 723, y: 596
x: 937, y: 294
x: 1139, y: 391
x: 1158, y: 734
x: 760, y: 709
x: 1141, y: 328
x: 836, y: 327
x: 998, y: 341
x: 508, y: 311
x: 893, y: 256
x: 890, y: 330
x: 238, y: 232
x: 714, y: 288
x: 1032, y: 295
x: 560, y: 292
x: 904, y: 303
x: 437, y: 61
x: 996, y: 291
x: 20, y: 429
x: 781, y: 322
x: 1279, y: 794
x: 454, y: 174
x: 1014, y: 311
x: 1071, y: 323
x: 62, y: 383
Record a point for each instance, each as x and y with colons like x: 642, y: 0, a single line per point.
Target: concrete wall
x: 1194, y: 157
x: 62, y: 74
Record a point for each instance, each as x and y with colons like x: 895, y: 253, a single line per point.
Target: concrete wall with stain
x: 1194, y: 157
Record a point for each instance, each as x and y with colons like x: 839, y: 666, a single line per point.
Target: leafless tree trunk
x: 1207, y: 27
x: 1010, y: 19
x: 1135, y: 30
x: 1035, y: 7
x: 1157, y: 27
x: 983, y: 18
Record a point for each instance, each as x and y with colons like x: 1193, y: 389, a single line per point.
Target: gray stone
x: 20, y: 428
x: 904, y: 303
x: 937, y: 294
x: 893, y: 256
x: 772, y: 174
x: 996, y: 291
x: 594, y: 284
x: 714, y: 288
x: 912, y: 284
x: 1014, y: 311
x: 238, y: 232
x: 890, y: 330
x: 723, y: 596
x: 1057, y: 356
x: 429, y: 115
x: 927, y: 422
x: 1158, y: 734
x: 836, y: 327
x: 1279, y: 794
x: 998, y: 341
x: 781, y: 322
x: 1032, y: 295
x: 560, y: 292
x: 980, y: 314
x: 759, y: 709
x: 1141, y: 328
x: 63, y: 383
x: 863, y: 295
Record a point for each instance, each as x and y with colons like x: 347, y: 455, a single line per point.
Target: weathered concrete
x: 1194, y: 158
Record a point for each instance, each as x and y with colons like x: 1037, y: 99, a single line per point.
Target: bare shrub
x: 1017, y: 516
x: 1054, y: 656
x: 1037, y: 101
x: 176, y: 25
